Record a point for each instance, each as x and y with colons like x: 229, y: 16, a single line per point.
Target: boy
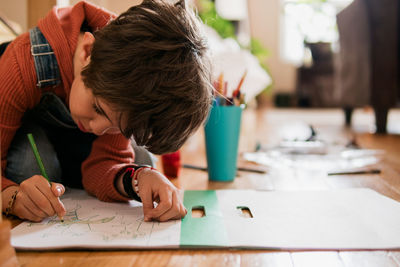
x: 83, y: 82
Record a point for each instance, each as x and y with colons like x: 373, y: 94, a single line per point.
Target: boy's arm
x: 102, y: 176
x: 155, y: 187
x: 17, y: 95
x: 110, y: 155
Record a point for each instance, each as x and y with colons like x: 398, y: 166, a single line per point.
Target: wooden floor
x: 267, y: 127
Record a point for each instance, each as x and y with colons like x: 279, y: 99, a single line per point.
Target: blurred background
x: 296, y: 53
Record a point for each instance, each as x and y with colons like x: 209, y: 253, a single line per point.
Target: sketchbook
x: 315, y: 220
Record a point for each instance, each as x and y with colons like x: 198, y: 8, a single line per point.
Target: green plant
x: 226, y: 29
x: 209, y: 16
x: 259, y: 51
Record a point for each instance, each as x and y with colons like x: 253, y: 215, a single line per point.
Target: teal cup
x: 222, y: 132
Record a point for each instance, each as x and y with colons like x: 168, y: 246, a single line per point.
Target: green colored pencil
x: 39, y: 160
x: 37, y: 156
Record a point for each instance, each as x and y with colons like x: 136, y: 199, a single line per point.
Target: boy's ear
x: 181, y: 3
x: 87, y: 44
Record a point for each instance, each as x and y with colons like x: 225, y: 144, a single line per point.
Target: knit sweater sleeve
x: 109, y: 156
x: 17, y: 95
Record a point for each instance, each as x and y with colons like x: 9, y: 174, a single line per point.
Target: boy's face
x: 90, y: 113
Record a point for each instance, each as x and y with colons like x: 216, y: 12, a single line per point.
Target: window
x: 308, y: 21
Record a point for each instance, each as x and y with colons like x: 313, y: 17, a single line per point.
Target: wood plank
x: 391, y: 145
x: 41, y: 259
x: 316, y: 259
x: 215, y: 258
x: 367, y: 259
x: 112, y: 258
x: 257, y: 258
x: 150, y: 258
x: 181, y: 258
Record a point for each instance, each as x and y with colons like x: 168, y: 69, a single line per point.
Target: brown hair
x: 150, y: 65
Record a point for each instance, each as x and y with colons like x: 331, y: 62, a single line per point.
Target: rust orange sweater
x: 18, y: 93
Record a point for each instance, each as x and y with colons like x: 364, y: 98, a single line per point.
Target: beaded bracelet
x: 11, y: 203
x: 131, y: 176
x: 135, y: 176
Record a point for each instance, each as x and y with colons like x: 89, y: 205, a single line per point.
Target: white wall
x: 116, y: 6
x: 265, y: 26
x: 15, y: 10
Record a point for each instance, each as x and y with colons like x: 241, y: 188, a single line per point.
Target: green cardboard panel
x: 207, y: 231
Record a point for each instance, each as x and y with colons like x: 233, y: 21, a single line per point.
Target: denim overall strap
x: 46, y: 66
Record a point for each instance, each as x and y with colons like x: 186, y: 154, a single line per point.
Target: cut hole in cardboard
x: 198, y: 212
x: 244, y: 212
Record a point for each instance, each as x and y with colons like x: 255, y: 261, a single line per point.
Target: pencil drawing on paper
x: 92, y: 223
x: 72, y: 218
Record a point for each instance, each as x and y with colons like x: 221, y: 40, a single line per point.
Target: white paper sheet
x: 340, y: 219
x: 90, y: 223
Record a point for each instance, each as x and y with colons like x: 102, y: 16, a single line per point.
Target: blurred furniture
x: 367, y: 72
x: 315, y: 82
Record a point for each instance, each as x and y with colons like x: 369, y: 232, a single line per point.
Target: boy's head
x: 149, y: 64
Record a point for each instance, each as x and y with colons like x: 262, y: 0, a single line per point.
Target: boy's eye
x: 96, y: 109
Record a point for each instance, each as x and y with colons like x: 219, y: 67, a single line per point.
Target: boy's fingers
x: 35, y: 193
x: 59, y: 207
x: 165, y: 204
x: 167, y: 216
x: 58, y: 189
x: 32, y: 216
x: 25, y: 213
x: 184, y: 211
x: 181, y: 194
x: 56, y: 205
x: 22, y: 210
x: 176, y: 212
x: 147, y: 202
x: 179, y: 216
x: 25, y: 202
x: 172, y: 212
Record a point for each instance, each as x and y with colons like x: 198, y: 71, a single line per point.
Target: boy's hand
x: 153, y: 186
x: 36, y: 200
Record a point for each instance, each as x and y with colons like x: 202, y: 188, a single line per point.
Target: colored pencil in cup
x: 236, y: 93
